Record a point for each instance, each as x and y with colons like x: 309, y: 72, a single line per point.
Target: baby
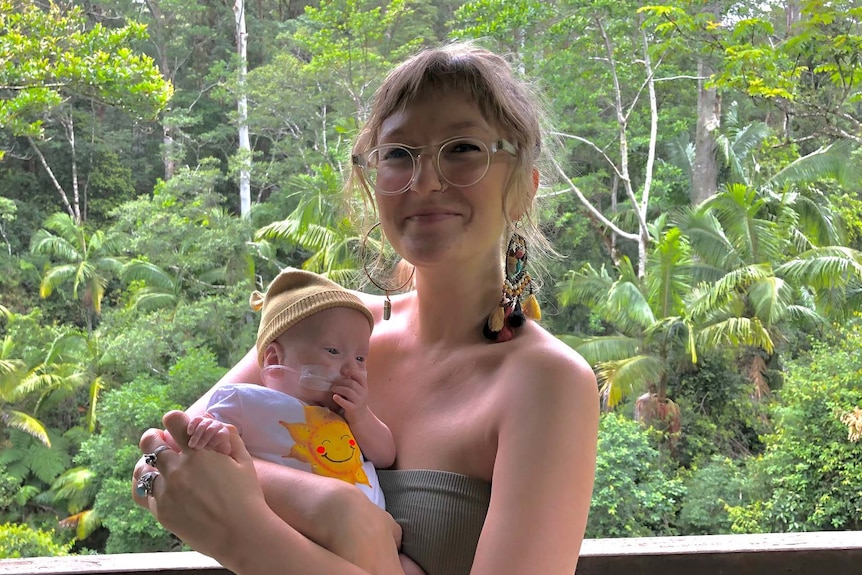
x: 311, y: 413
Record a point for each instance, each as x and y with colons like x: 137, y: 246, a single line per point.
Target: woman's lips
x: 431, y: 217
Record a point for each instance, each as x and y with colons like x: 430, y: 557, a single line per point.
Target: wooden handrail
x: 823, y: 553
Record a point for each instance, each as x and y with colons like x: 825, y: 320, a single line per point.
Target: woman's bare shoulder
x: 543, y: 370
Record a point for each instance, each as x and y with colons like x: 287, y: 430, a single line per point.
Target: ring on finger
x: 144, y: 488
x: 151, y: 458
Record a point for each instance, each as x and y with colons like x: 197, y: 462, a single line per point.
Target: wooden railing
x: 826, y: 553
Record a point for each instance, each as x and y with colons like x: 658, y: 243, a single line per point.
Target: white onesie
x: 280, y: 428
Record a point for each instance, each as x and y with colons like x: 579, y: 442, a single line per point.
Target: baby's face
x: 326, y: 346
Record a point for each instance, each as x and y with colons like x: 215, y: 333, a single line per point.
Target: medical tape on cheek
x: 319, y: 377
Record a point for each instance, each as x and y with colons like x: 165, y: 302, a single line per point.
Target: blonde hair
x: 505, y: 101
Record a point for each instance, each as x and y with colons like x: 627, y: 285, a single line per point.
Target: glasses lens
x: 463, y: 162
x: 389, y: 169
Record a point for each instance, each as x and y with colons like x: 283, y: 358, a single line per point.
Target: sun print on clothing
x: 325, y: 442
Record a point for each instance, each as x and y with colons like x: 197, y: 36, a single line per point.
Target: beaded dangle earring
x: 511, y: 313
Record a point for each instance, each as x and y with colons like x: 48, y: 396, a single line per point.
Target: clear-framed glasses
x: 461, y: 161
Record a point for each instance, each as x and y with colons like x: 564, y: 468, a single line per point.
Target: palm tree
x: 653, y: 332
x: 760, y: 264
x: 14, y: 391
x: 87, y: 261
x: 317, y: 227
x: 159, y: 289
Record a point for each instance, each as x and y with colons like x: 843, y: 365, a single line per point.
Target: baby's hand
x: 351, y: 394
x: 208, y: 433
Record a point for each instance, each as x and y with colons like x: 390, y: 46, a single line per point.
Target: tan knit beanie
x: 293, y: 296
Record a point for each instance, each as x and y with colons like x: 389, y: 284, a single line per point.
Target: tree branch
x: 592, y: 209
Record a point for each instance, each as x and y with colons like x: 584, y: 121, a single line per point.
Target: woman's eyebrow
x: 453, y: 127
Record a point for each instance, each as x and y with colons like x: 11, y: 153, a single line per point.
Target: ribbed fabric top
x: 441, y: 515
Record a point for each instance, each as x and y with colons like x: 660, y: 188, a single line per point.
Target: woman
x: 494, y: 419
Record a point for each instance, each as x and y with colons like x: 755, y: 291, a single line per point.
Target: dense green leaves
x: 48, y: 55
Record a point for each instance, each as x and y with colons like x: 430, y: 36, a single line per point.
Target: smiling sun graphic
x: 325, y: 442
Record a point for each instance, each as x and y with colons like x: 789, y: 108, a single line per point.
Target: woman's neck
x: 450, y: 307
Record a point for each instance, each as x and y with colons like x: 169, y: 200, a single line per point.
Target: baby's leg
x: 409, y: 566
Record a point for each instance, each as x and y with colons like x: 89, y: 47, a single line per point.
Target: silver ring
x: 151, y: 458
x: 144, y: 488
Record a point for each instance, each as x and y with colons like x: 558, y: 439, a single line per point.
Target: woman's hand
x: 199, y: 495
x: 214, y: 503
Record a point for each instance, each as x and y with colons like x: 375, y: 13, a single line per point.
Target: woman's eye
x: 394, y: 154
x: 463, y: 147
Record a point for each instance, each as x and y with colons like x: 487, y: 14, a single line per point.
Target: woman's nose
x: 427, y: 178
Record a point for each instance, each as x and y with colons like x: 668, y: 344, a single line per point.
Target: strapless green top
x: 441, y: 515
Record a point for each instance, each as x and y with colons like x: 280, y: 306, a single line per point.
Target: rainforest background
x: 160, y: 159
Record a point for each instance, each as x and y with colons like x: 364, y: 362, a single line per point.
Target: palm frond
x: 66, y: 227
x: 729, y: 287
x: 744, y: 143
x: 627, y: 307
x: 823, y: 267
x: 829, y: 162
x: 26, y: 423
x: 586, y: 286
x: 680, y: 152
x: 669, y: 276
x: 600, y: 349
x: 708, y: 240
x: 735, y: 331
x: 817, y: 221
x: 770, y: 298
x: 802, y: 313
x: 48, y: 244
x: 147, y: 272
x: 619, y: 379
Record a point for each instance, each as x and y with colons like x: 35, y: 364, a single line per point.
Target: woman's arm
x: 215, y: 504
x: 544, y: 468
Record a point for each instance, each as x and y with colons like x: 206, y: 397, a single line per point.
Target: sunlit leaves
x: 49, y: 55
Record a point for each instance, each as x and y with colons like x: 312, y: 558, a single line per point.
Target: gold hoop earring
x: 387, y: 305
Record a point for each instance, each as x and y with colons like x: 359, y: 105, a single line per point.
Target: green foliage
x: 28, y: 458
x: 51, y: 55
x: 18, y: 541
x: 111, y: 454
x: 633, y: 495
x: 808, y: 477
x: 710, y: 489
x: 718, y: 415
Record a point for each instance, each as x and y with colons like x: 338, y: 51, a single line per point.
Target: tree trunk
x: 242, y: 111
x: 63, y: 196
x: 158, y: 35
x: 705, y: 169
x: 792, y: 14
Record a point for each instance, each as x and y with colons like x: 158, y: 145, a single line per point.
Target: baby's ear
x: 273, y: 353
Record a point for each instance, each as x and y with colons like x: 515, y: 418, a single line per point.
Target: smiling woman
x: 448, y: 161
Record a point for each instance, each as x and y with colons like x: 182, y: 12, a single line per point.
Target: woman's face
x: 434, y: 222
